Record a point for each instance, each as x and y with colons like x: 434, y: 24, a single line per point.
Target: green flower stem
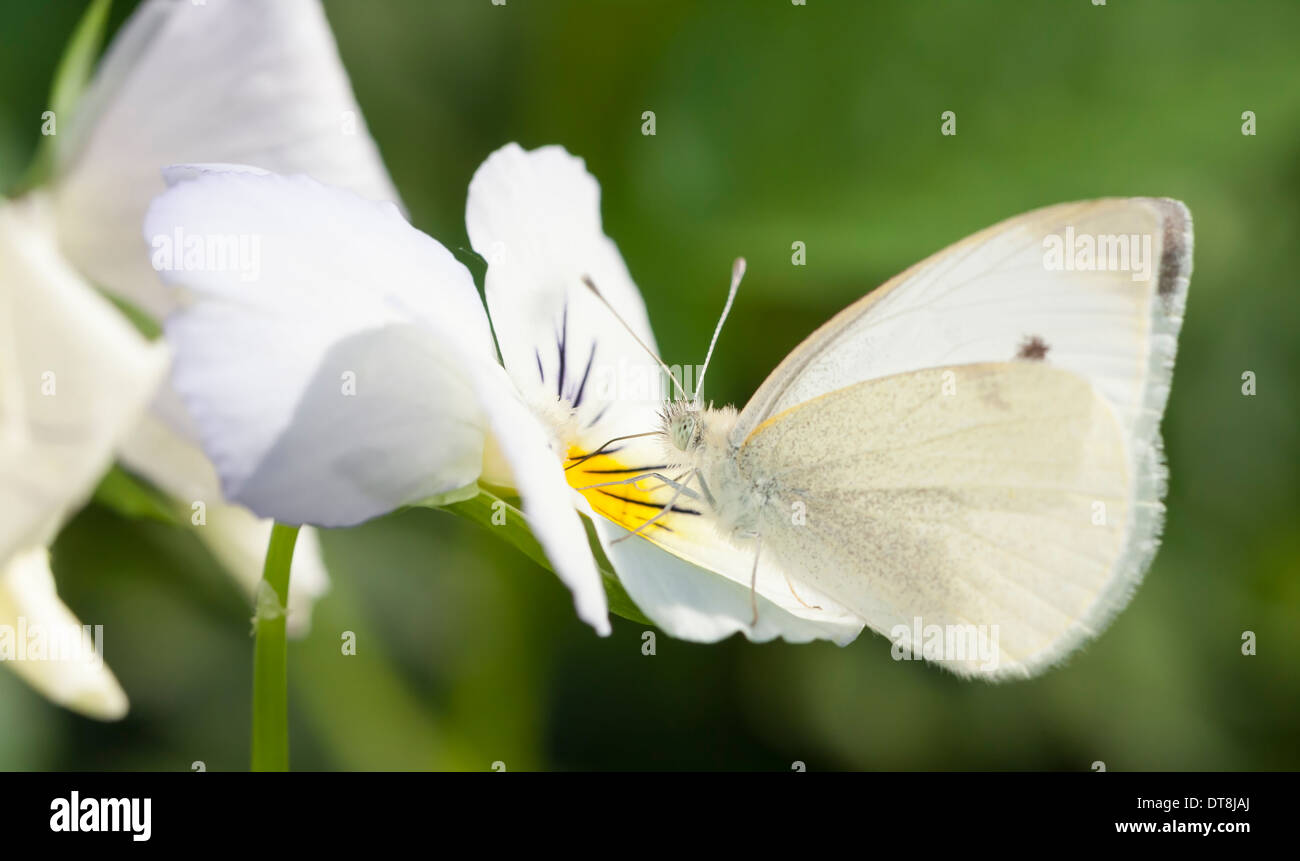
x: 270, y: 656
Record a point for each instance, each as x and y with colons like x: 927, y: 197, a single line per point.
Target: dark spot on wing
x: 1174, y: 250
x: 1033, y: 347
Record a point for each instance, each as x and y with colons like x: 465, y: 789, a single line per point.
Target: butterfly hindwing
x: 994, y: 495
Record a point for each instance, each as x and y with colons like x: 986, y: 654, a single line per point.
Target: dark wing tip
x: 1175, y: 247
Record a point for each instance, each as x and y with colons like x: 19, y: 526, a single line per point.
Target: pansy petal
x: 326, y: 377
x: 79, y: 678
x: 242, y: 81
x: 523, y: 443
x: 410, y: 431
x: 73, y: 377
x: 535, y: 217
x: 692, y: 603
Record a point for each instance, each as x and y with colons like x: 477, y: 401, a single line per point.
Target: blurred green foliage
x: 775, y: 123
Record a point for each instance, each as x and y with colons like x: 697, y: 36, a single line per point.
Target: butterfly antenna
x: 737, y: 272
x: 586, y: 279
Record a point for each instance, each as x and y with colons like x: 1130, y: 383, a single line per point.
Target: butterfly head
x: 681, y: 425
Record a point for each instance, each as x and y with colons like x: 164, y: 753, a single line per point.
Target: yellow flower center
x: 629, y: 505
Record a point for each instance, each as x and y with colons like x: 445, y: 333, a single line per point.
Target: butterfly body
x: 697, y: 443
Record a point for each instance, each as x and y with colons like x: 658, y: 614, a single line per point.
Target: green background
x: 775, y: 123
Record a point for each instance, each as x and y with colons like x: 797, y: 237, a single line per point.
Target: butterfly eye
x: 683, y: 431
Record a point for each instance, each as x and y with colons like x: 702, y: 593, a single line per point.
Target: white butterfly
x: 974, y: 446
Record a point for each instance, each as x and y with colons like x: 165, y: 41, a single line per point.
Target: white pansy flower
x: 74, y: 376
x: 535, y: 217
x: 349, y: 287
x: 225, y: 80
x: 356, y: 373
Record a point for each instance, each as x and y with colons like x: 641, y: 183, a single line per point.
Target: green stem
x: 270, y: 656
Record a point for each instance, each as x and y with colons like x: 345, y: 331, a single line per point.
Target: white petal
x: 237, y: 538
x: 80, y: 680
x: 74, y: 375
x: 699, y: 605
x: 535, y: 217
x: 326, y: 376
x: 241, y: 81
x: 535, y: 471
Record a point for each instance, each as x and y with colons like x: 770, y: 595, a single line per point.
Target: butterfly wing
x: 1002, y: 292
x: 1107, y: 307
x: 996, y: 495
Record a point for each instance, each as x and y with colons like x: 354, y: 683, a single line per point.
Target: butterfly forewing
x: 1025, y: 287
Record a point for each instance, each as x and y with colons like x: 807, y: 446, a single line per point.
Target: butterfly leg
x: 704, y: 488
x: 796, y: 594
x: 753, y: 580
x: 667, y: 508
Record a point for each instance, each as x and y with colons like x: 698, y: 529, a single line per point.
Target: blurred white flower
x: 74, y: 376
x: 225, y: 79
x: 349, y: 292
